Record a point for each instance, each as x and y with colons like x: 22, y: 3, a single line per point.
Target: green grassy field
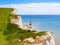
x: 4, y: 15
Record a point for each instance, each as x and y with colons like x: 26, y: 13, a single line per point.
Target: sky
x: 33, y: 7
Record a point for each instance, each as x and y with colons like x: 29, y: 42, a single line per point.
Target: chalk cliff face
x: 17, y: 20
x: 47, y: 39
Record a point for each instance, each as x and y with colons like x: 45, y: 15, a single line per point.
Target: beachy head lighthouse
x: 27, y: 27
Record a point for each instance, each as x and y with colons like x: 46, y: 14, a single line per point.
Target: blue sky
x: 33, y: 7
x: 26, y: 1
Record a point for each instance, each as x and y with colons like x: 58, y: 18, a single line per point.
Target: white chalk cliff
x: 47, y: 39
x: 17, y: 20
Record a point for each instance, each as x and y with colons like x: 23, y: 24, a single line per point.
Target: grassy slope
x: 4, y: 15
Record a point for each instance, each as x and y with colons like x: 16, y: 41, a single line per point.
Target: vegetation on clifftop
x: 4, y: 16
x: 12, y: 31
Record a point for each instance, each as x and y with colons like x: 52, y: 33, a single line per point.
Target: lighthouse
x: 30, y: 24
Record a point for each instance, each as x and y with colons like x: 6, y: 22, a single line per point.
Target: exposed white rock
x: 20, y: 22
x: 52, y: 41
x: 38, y: 44
x: 17, y: 21
x: 14, y: 12
x: 42, y: 40
x: 29, y: 39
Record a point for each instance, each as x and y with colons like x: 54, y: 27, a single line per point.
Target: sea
x: 44, y: 23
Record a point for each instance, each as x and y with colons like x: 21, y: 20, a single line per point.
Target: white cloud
x: 36, y: 8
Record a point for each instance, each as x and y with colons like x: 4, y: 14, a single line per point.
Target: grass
x: 4, y: 15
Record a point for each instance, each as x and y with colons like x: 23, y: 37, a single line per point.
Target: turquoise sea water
x: 44, y: 23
